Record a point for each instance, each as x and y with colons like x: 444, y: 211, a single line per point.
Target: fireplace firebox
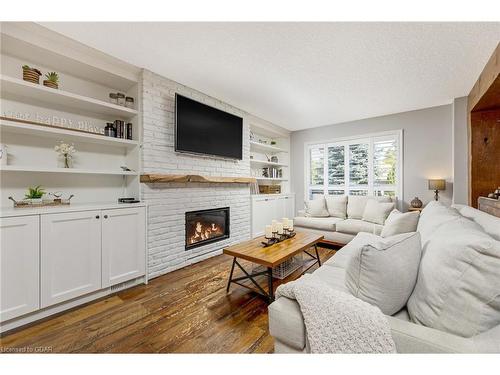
x: 206, y: 226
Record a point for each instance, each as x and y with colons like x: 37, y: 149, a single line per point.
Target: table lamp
x: 437, y: 185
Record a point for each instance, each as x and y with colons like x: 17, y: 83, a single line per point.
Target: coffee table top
x: 271, y: 256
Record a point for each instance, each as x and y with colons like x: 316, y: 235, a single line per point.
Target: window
x: 357, y: 166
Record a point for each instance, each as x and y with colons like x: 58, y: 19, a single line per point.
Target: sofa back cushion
x: 337, y: 205
x: 376, y: 212
x: 434, y: 215
x: 399, y: 222
x: 489, y: 223
x: 316, y: 208
x: 458, y: 286
x: 356, y: 204
x: 383, y: 271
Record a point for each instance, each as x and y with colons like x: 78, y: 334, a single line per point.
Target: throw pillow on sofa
x: 384, y: 272
x: 316, y: 208
x: 432, y: 216
x: 376, y: 212
x: 356, y: 204
x: 337, y: 206
x: 458, y: 286
x: 398, y: 222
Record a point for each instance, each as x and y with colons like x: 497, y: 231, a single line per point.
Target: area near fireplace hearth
x: 171, y: 204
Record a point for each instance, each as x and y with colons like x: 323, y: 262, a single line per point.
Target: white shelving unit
x: 263, y: 163
x: 262, y: 147
x: 86, y: 77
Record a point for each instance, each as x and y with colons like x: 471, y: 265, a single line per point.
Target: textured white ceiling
x: 303, y: 75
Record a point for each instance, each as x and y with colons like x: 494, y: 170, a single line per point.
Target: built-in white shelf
x: 262, y: 147
x: 270, y: 179
x: 262, y: 163
x: 68, y: 134
x: 21, y: 168
x: 58, y: 99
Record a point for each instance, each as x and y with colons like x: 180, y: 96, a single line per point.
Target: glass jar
x: 121, y: 98
x: 109, y: 130
x: 129, y: 102
x: 113, y: 98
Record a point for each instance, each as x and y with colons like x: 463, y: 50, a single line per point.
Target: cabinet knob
x: 105, y: 216
x: 97, y: 216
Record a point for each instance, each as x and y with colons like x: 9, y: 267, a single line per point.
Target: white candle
x: 285, y: 222
x: 269, y: 231
x: 280, y: 228
x: 274, y: 225
x: 290, y: 224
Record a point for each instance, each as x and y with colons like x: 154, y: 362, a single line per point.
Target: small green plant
x: 52, y: 77
x: 35, y: 192
x: 27, y: 67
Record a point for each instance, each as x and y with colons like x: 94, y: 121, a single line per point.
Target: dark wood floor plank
x: 185, y: 311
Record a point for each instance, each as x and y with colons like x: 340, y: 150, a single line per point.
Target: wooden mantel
x: 155, y: 178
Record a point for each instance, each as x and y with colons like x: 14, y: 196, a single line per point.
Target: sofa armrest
x: 413, y: 338
x: 301, y: 213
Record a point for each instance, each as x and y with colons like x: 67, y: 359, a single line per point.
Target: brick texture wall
x: 169, y: 202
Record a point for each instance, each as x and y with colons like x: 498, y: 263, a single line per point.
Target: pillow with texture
x: 377, y: 212
x: 384, y: 272
x: 432, y: 216
x: 398, y: 222
x: 458, y: 286
x: 316, y: 208
x: 337, y: 206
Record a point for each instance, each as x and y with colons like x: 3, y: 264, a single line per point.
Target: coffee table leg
x: 270, y: 284
x: 230, y: 275
x: 317, y: 255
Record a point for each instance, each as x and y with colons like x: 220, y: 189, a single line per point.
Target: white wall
x: 427, y: 148
x: 460, y: 152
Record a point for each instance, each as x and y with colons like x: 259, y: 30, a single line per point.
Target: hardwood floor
x: 185, y: 311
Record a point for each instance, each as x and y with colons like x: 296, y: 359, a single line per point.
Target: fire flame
x: 202, y: 231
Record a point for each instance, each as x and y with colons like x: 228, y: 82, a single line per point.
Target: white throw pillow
x: 432, y: 216
x: 384, y: 272
x: 458, y: 286
x: 337, y: 205
x: 316, y: 208
x: 398, y: 222
x: 490, y: 223
x: 356, y: 204
x: 377, y: 212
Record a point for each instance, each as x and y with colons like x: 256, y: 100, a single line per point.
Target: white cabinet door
x: 280, y: 211
x: 263, y: 211
x: 70, y: 255
x: 289, y: 206
x: 123, y: 245
x: 19, y: 266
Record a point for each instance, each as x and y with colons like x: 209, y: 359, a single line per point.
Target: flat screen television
x: 201, y: 129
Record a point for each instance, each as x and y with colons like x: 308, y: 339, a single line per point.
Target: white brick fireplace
x: 168, y: 202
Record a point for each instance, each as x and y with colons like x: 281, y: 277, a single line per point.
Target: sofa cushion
x: 432, y: 216
x: 316, y: 208
x: 337, y: 205
x: 353, y: 226
x: 333, y: 276
x: 384, y: 271
x: 376, y: 212
x: 356, y: 204
x: 342, y: 256
x: 489, y: 223
x: 457, y: 290
x: 320, y: 223
x: 399, y: 222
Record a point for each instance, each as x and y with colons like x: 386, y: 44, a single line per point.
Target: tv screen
x: 202, y: 129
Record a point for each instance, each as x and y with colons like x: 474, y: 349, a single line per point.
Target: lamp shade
x: 437, y: 184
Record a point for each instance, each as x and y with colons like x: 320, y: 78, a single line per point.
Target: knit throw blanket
x: 337, y: 322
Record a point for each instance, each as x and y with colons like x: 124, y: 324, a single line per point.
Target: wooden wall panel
x: 485, y: 153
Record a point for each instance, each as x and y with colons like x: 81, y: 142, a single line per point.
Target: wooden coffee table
x: 270, y: 257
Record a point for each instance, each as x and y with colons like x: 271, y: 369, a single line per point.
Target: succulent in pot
x: 31, y: 74
x: 34, y: 195
x: 52, y: 80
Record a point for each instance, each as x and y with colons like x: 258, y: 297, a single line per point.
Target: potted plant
x: 65, y: 152
x: 52, y: 80
x: 34, y: 195
x: 31, y: 74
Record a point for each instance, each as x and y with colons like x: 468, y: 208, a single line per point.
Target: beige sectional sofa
x: 343, y: 227
x: 455, y: 304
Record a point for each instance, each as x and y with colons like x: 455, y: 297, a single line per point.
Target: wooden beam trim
x: 192, y: 178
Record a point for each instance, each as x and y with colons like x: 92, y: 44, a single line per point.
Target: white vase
x: 3, y: 154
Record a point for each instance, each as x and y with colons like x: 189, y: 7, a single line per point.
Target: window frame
x: 371, y: 187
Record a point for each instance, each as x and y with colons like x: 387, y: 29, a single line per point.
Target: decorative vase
x: 65, y: 161
x: 416, y: 203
